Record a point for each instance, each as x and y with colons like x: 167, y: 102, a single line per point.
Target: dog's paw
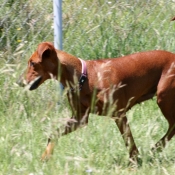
x: 48, y: 152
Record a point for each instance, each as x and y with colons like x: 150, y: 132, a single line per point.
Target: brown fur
x: 119, y: 83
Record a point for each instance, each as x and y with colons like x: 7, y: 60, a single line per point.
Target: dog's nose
x: 21, y: 81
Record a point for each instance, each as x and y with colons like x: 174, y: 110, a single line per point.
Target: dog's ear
x: 45, y: 50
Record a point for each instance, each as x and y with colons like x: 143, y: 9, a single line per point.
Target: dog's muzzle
x: 30, y: 86
x: 35, y: 83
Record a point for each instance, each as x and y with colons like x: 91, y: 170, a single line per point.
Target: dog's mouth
x: 35, y: 83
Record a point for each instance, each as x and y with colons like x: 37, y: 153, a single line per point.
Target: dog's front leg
x: 48, y: 151
x: 71, y: 125
x: 125, y: 130
x: 80, y: 113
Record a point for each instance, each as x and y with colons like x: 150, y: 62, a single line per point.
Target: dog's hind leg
x: 166, y: 102
x: 125, y: 130
x: 169, y: 113
x: 168, y: 110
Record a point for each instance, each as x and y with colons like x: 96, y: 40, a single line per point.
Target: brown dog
x: 116, y: 84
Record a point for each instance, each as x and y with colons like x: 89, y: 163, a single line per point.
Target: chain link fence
x: 91, y: 29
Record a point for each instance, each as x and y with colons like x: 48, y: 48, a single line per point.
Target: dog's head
x: 42, y: 65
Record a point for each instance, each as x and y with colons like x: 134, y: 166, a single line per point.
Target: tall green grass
x: 28, y: 118
x: 98, y: 29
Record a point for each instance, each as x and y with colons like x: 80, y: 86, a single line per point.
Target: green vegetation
x: 92, y: 29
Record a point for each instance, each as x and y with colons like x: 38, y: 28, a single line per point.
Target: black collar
x: 83, y: 77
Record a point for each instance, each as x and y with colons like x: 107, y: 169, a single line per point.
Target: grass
x: 28, y: 118
x: 116, y: 28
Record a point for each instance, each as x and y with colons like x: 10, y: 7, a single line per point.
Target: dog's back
x: 137, y: 74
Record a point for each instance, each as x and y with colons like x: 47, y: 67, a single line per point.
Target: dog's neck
x: 69, y: 68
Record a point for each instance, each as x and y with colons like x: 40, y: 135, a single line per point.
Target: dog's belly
x: 145, y: 97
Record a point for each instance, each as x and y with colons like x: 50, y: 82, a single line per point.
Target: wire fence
x: 91, y: 29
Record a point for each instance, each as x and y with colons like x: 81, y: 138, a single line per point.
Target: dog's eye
x: 32, y: 64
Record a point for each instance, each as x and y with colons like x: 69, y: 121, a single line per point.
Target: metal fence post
x: 57, y: 8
